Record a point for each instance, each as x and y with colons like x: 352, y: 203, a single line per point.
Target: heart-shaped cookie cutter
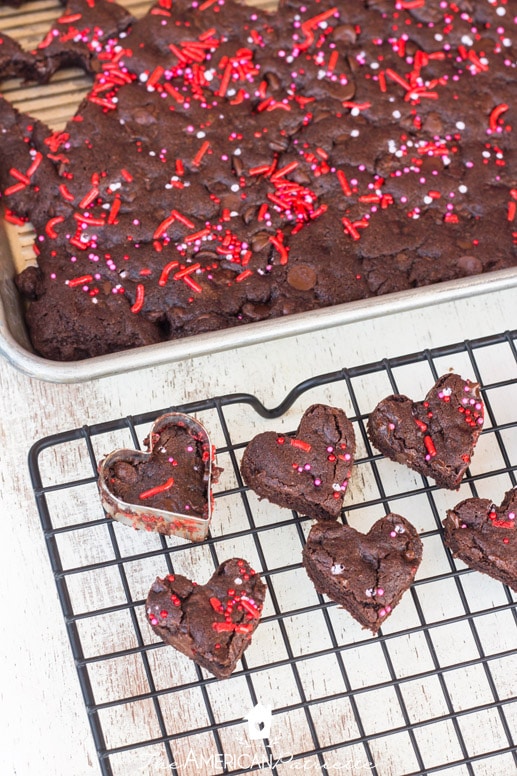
x: 143, y: 517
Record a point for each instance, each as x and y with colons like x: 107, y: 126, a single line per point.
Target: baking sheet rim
x: 248, y: 334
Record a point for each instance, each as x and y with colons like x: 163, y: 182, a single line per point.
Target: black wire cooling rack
x: 435, y: 692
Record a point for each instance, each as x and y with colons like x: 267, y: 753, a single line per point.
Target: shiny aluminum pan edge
x: 141, y: 517
x: 15, y: 347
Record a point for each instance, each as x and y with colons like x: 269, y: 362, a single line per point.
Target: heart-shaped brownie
x: 168, y: 488
x: 212, y: 623
x: 367, y: 574
x: 307, y: 471
x: 435, y: 437
x: 484, y: 536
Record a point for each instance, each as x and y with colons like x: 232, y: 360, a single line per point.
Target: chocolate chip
x: 470, y: 265
x: 433, y: 124
x: 345, y: 33
x: 279, y: 144
x: 124, y: 471
x: 273, y: 81
x: 248, y: 215
x: 259, y: 241
x: 237, y: 164
x: 302, y: 277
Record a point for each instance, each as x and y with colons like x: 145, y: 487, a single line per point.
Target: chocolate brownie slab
x: 484, y: 536
x: 367, y: 574
x: 436, y: 436
x: 212, y: 623
x: 307, y: 471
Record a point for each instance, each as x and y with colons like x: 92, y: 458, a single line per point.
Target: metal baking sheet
x: 15, y: 346
x: 55, y: 104
x: 434, y: 693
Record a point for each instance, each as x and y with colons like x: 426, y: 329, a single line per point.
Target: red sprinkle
x: 429, y: 446
x: 250, y: 608
x: 80, y: 281
x: 196, y: 161
x: 14, y: 189
x: 305, y: 446
x: 166, y: 271
x: 89, y: 198
x: 158, y: 489
x: 216, y: 604
x: 51, y: 223
x: 347, y: 191
x: 65, y: 193
x: 139, y: 302
x: 223, y: 626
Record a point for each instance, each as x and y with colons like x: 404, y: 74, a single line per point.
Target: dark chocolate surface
x: 436, y: 436
x: 212, y: 623
x: 367, y: 574
x: 231, y: 165
x: 173, y: 476
x: 484, y: 536
x: 307, y: 471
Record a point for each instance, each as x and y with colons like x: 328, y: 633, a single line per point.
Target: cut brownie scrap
x: 307, y: 471
x: 484, y: 536
x: 79, y: 36
x: 367, y: 574
x: 436, y: 436
x: 212, y: 623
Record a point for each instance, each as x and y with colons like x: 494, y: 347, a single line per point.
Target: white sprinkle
x: 354, y: 132
x: 200, y: 134
x: 467, y: 40
x: 462, y: 188
x: 337, y: 568
x: 237, y: 581
x: 396, y: 114
x: 235, y: 187
x: 460, y: 125
x: 500, y: 11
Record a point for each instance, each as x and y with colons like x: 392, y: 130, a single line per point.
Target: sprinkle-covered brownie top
x: 231, y: 165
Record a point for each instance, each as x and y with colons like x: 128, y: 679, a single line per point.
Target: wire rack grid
x: 435, y: 692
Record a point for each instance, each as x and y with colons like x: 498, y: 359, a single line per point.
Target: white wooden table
x: 44, y: 726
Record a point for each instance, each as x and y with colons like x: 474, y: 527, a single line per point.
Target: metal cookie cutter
x: 141, y: 516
